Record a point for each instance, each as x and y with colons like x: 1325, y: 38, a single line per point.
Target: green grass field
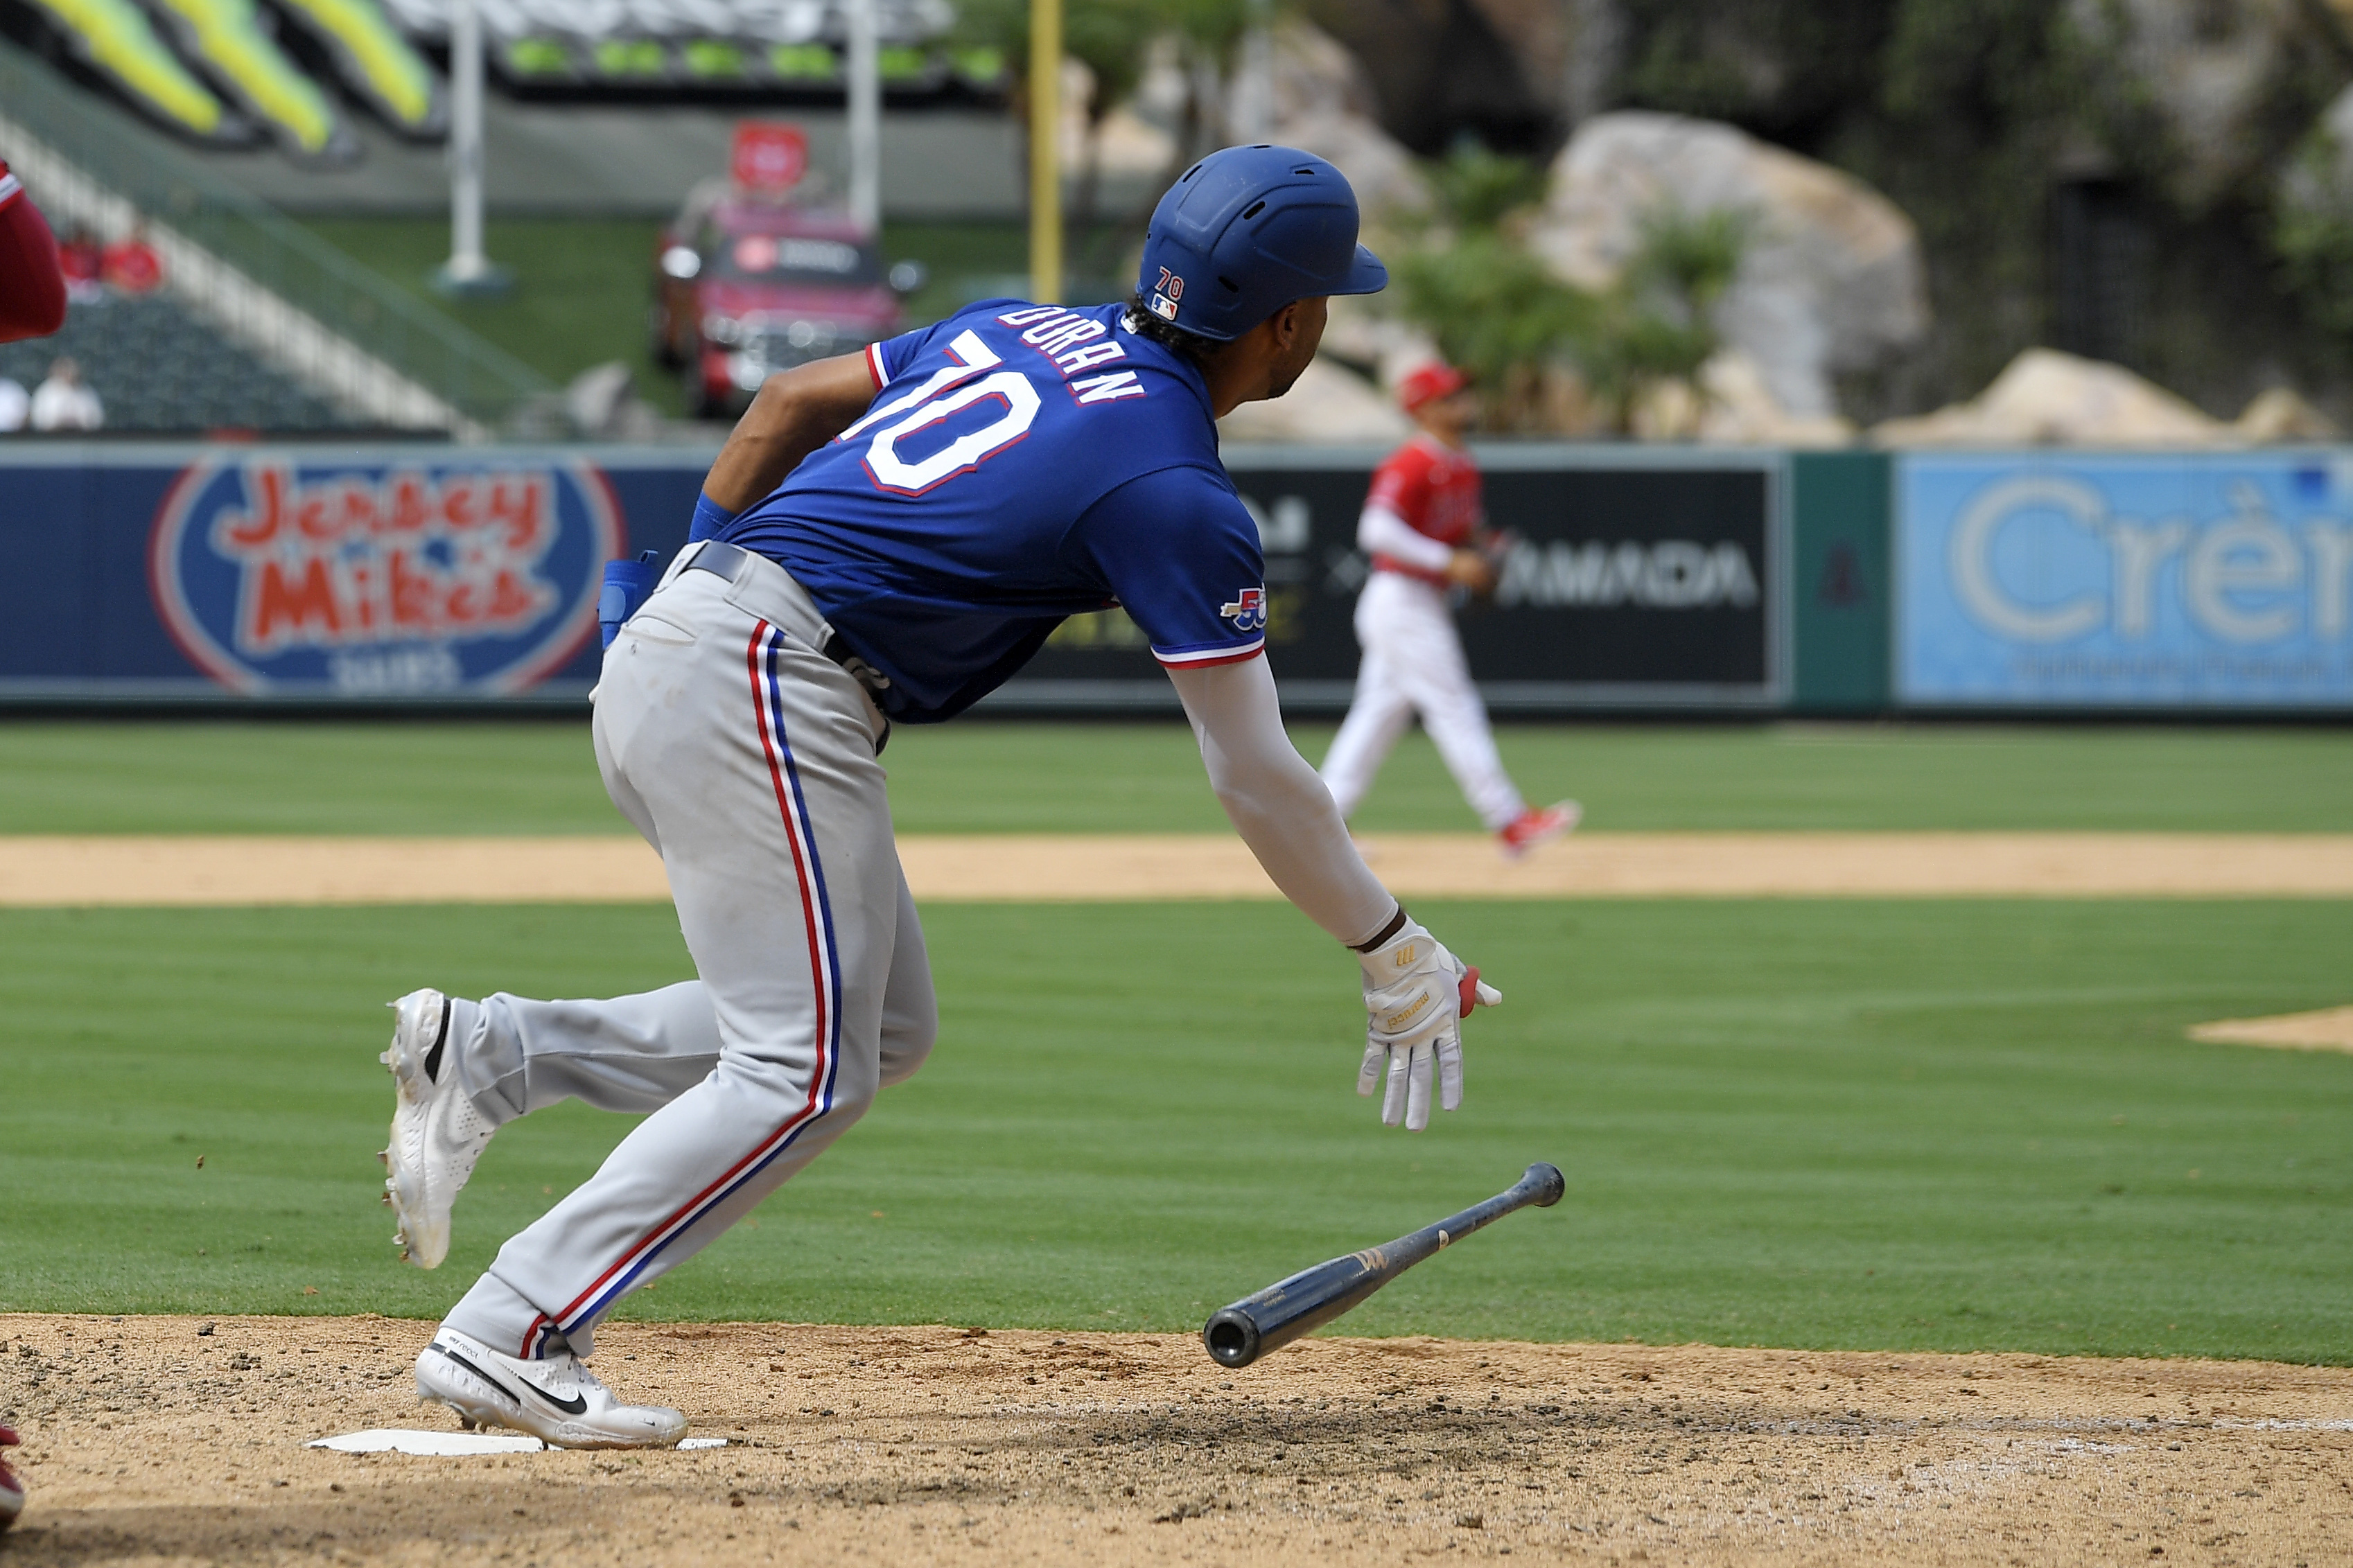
x: 1913, y: 1125
x: 975, y: 777
x: 1906, y: 1124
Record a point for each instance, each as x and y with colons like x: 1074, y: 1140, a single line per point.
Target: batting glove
x: 1416, y: 996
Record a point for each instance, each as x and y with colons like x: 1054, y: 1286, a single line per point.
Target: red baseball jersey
x: 32, y: 293
x: 1436, y: 490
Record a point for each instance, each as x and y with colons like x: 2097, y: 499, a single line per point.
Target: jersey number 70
x: 949, y: 389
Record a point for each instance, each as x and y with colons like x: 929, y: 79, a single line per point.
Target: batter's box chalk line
x: 410, y: 1440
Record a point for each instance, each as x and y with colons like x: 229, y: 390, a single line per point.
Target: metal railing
x: 481, y: 380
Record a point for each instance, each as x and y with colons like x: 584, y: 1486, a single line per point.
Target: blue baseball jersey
x: 1020, y: 464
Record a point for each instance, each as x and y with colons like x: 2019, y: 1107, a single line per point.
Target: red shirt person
x: 32, y: 285
x: 130, y: 265
x: 1421, y: 523
x: 1434, y: 489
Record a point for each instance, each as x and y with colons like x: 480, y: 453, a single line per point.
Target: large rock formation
x: 1315, y: 95
x: 1831, y: 279
x: 2223, y: 85
x: 2053, y: 399
x: 1494, y: 68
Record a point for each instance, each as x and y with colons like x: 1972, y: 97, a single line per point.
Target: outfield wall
x: 1637, y: 578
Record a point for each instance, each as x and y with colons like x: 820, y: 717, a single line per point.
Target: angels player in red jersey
x: 1422, y: 525
x: 32, y: 290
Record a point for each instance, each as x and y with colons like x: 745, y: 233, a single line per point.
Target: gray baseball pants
x: 748, y: 760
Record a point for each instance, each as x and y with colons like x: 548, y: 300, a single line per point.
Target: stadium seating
x: 157, y: 368
x: 230, y: 73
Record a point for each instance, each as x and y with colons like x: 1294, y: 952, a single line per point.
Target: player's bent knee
x: 906, y: 1048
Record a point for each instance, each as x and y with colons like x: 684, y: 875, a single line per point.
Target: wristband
x: 710, y: 517
x: 626, y: 584
x: 1395, y: 924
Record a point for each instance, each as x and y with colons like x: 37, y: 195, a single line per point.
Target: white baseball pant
x: 1413, y: 664
x: 747, y: 759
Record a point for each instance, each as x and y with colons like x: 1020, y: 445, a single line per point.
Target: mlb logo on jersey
x: 1248, y: 612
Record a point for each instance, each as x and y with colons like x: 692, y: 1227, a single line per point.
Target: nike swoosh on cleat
x: 576, y: 1405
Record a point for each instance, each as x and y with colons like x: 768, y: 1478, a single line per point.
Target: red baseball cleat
x: 12, y: 1487
x: 1532, y: 827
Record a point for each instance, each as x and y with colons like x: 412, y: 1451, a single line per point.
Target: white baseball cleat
x: 437, y: 1133
x: 1534, y: 827
x: 558, y: 1401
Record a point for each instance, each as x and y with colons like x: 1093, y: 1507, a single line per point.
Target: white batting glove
x: 1416, y: 996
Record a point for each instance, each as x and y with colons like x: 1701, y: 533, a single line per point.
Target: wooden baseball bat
x: 1240, y: 1335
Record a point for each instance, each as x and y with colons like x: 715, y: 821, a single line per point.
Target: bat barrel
x: 1272, y: 1318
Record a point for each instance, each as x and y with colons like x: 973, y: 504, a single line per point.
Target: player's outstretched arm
x: 1416, y: 992
x: 795, y: 412
x: 1277, y: 803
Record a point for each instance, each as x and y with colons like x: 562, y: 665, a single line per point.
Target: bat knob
x: 1550, y: 1184
x: 1233, y: 1337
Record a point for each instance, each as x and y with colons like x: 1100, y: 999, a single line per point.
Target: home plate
x: 408, y: 1440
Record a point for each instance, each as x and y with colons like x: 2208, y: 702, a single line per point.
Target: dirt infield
x: 83, y: 871
x: 150, y: 1443
x: 2329, y: 1029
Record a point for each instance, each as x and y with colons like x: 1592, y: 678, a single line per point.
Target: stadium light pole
x: 1251, y: 115
x: 468, y: 271
x: 865, y: 118
x: 1045, y: 151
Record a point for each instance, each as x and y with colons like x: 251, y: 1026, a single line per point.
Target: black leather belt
x: 724, y: 560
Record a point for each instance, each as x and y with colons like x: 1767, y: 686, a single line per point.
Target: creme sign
x: 2206, y: 580
x: 385, y: 579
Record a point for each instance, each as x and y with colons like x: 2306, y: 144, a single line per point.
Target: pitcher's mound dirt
x: 147, y: 1442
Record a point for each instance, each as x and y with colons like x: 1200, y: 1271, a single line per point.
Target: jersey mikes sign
x: 382, y: 578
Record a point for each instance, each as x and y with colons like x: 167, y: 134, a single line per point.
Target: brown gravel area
x: 148, y: 1441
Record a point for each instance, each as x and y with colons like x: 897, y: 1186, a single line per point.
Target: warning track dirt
x: 64, y: 871
x: 148, y: 1441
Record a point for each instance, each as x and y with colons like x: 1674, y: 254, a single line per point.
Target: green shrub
x: 1496, y: 310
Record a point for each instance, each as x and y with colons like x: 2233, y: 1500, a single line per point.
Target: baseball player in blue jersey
x: 885, y: 538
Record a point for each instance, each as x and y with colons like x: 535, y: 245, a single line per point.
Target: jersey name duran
x: 1021, y: 464
x: 1436, y: 490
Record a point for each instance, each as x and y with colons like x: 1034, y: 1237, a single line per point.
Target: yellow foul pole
x: 1045, y: 151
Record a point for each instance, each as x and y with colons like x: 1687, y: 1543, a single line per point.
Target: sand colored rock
x: 1831, y: 276
x: 2281, y: 416
x: 2048, y: 399
x: 1738, y: 408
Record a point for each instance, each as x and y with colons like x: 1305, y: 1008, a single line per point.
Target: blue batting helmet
x: 1244, y: 233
